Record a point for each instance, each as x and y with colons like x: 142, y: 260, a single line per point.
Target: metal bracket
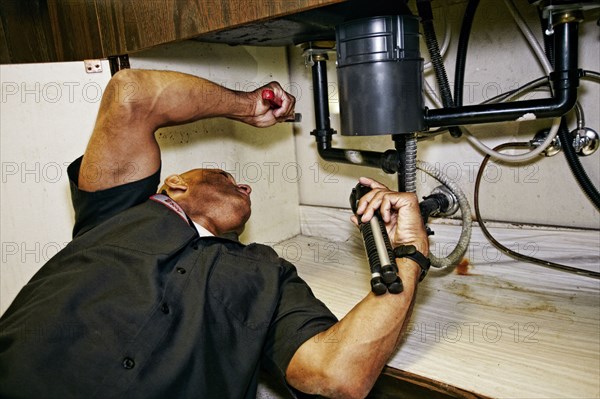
x: 93, y: 66
x: 118, y: 62
x: 316, y: 51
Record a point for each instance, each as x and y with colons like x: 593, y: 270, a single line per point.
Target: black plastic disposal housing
x: 380, y: 76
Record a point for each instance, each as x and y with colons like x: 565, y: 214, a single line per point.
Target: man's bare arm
x: 136, y: 103
x: 345, y: 361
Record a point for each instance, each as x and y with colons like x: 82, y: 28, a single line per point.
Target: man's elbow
x: 335, y: 382
x: 124, y: 88
x: 348, y: 387
x: 125, y: 97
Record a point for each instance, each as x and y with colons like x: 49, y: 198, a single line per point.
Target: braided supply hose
x: 448, y: 263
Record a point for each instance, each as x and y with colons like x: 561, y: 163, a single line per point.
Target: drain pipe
x: 323, y: 132
x: 565, y: 80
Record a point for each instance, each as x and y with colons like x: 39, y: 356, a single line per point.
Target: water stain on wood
x: 505, y: 296
x: 464, y: 267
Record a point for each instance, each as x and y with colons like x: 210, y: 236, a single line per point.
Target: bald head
x: 212, y: 198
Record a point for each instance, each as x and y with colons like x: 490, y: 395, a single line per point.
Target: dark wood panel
x: 49, y: 30
x: 4, y: 55
x: 75, y: 29
x: 59, y: 30
x: 311, y: 25
x: 391, y: 384
x: 394, y: 383
x: 131, y: 25
x: 26, y: 31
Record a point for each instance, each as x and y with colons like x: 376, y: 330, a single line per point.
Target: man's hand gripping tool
x: 269, y: 96
x: 384, y: 272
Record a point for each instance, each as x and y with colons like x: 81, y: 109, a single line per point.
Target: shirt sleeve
x: 92, y: 208
x: 299, y: 316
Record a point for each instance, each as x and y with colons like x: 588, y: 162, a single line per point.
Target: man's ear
x: 176, y: 184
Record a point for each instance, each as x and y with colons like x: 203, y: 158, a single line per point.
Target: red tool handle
x: 269, y: 95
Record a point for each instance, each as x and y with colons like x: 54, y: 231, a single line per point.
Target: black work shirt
x: 139, y: 306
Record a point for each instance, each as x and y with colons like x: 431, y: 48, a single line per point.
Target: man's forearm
x: 348, y: 365
x: 347, y: 359
x: 162, y: 98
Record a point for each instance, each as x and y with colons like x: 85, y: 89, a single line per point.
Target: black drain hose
x: 461, y: 53
x: 577, y: 169
x: 426, y: 15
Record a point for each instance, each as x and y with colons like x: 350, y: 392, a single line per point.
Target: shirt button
x: 180, y: 270
x: 165, y: 308
x: 195, y: 246
x: 128, y: 363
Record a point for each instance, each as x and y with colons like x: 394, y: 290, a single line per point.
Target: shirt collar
x: 174, y: 206
x: 202, y: 232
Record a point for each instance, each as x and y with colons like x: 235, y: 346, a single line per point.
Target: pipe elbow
x: 566, y: 100
x: 328, y: 154
x: 323, y: 150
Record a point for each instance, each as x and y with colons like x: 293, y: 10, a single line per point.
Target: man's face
x: 215, y: 195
